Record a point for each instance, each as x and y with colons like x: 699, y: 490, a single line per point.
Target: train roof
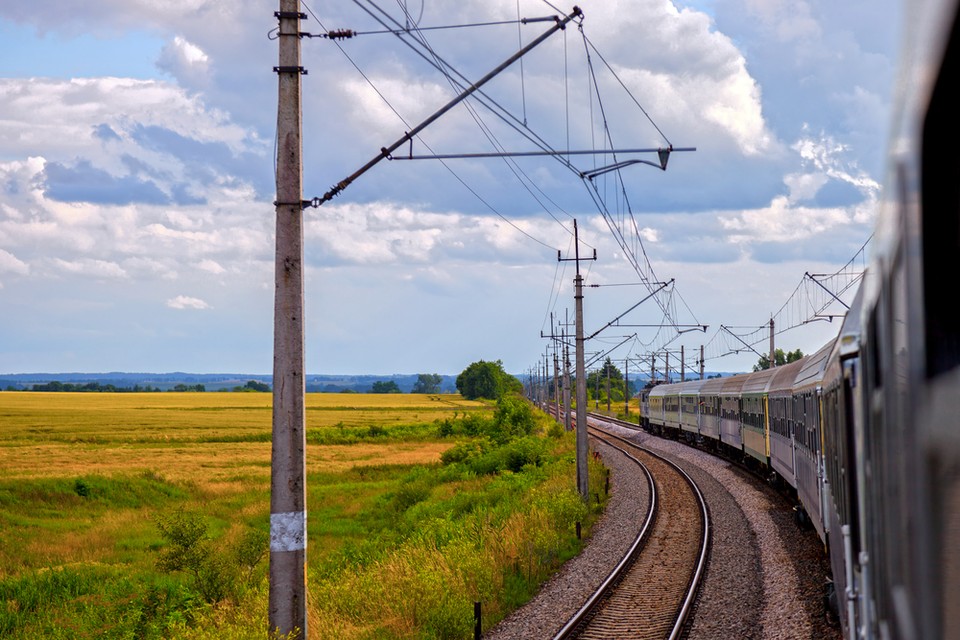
x: 712, y: 386
x: 811, y: 373
x: 733, y: 385
x: 757, y: 382
x: 781, y: 383
x: 662, y: 390
x: 691, y: 387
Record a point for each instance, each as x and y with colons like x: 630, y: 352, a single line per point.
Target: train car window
x: 940, y: 216
x: 873, y: 366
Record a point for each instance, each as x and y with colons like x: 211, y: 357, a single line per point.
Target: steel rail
x: 693, y: 587
x: 568, y: 630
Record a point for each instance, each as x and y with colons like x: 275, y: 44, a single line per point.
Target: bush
x: 216, y: 573
x: 513, y: 417
x: 465, y: 451
x: 523, y: 452
x: 81, y: 488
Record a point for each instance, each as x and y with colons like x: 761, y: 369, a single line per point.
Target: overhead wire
x: 523, y: 88
x: 479, y: 95
x: 417, y: 40
x: 645, y: 271
x: 447, y: 70
x: 625, y: 88
x: 403, y: 120
x: 514, y: 167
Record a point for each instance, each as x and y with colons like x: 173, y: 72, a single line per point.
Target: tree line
x: 426, y: 383
x: 96, y: 387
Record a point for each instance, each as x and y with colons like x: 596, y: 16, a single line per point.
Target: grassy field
x: 88, y: 481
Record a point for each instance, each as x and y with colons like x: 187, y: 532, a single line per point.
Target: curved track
x: 650, y: 593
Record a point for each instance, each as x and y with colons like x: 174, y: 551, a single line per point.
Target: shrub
x: 216, y: 573
x: 523, y: 452
x: 81, y: 488
x: 513, y: 417
x: 465, y: 451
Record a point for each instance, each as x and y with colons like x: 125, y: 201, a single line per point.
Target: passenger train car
x: 866, y: 431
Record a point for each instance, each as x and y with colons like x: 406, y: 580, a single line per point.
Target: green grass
x: 412, y: 516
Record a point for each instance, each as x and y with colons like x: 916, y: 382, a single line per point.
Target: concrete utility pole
x: 596, y: 392
x: 626, y: 389
x: 683, y: 365
x: 566, y: 382
x: 773, y: 361
x: 556, y: 383
x: 546, y: 379
x: 288, y: 491
x: 701, y: 362
x: 608, y: 365
x: 582, y: 476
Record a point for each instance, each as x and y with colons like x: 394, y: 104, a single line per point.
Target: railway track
x: 650, y: 593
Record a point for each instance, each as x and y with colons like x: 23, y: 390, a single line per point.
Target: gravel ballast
x: 765, y: 576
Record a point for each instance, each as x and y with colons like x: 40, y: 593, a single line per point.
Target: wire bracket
x: 303, y: 204
x: 299, y: 70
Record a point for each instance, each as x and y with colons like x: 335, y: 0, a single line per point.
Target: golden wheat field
x: 217, y: 445
x: 97, y: 489
x: 203, y: 437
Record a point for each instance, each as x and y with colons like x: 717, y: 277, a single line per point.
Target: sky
x: 137, y: 180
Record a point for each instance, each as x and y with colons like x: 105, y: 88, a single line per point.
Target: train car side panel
x: 782, y: 421
x: 755, y: 424
x: 731, y: 412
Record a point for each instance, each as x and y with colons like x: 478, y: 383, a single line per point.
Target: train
x: 865, y: 432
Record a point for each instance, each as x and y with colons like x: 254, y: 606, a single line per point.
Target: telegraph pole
x: 596, y: 392
x: 608, y: 365
x: 288, y: 492
x: 566, y: 381
x: 773, y: 361
x: 626, y: 388
x: 582, y: 477
x: 556, y: 382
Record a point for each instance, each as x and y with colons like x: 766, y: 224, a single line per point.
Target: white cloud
x: 803, y: 186
x: 9, y: 263
x: 780, y: 222
x: 89, y: 267
x: 186, y: 62
x: 413, y: 98
x: 136, y: 187
x: 789, y: 19
x: 831, y: 157
x: 63, y: 119
x: 211, y: 266
x: 186, y: 302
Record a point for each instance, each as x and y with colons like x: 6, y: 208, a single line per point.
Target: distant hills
x: 322, y: 383
x: 213, y: 381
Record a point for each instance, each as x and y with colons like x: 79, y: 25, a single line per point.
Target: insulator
x: 340, y: 34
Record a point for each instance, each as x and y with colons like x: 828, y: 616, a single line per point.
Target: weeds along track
x: 654, y: 590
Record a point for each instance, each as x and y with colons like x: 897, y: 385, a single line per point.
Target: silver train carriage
x: 867, y: 431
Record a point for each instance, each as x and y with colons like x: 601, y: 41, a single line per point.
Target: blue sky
x: 136, y: 180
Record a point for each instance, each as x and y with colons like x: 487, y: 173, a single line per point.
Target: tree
x: 385, y: 386
x: 486, y: 380
x: 598, y: 380
x: 779, y: 357
x: 187, y: 387
x: 253, y: 385
x: 427, y: 383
